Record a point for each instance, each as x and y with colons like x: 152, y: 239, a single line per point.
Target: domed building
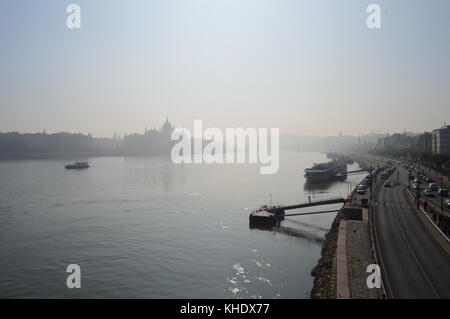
x: 167, y: 129
x: 152, y: 142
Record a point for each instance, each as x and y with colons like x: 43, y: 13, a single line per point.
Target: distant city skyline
x: 309, y: 68
x: 157, y: 127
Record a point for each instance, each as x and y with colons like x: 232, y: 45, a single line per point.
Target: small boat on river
x: 77, y: 165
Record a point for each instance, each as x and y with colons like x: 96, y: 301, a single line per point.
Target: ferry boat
x: 326, y: 171
x: 77, y: 165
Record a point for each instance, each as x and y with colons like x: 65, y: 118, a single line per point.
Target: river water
x: 144, y: 227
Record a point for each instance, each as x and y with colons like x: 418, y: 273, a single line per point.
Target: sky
x: 305, y: 67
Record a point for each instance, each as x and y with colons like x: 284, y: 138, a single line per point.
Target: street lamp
x: 442, y: 198
x: 409, y: 180
x: 418, y: 194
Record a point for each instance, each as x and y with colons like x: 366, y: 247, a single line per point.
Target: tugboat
x: 266, y: 216
x: 77, y: 165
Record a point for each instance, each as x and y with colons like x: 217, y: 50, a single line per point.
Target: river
x: 143, y: 227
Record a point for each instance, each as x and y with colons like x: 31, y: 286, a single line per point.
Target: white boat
x: 77, y: 165
x: 326, y: 171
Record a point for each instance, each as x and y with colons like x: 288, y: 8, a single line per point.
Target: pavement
x: 342, y: 280
x: 359, y: 257
x: 415, y: 265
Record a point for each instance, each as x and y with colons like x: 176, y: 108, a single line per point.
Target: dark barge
x: 266, y: 216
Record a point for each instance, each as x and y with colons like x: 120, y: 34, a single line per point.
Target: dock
x: 269, y: 216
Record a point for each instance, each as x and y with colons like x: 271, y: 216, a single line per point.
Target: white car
x: 433, y: 187
x: 361, y: 190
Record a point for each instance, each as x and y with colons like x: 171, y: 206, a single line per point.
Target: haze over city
x: 306, y: 67
x: 224, y: 154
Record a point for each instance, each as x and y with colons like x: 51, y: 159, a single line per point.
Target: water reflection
x: 308, y: 225
x: 320, y: 187
x: 299, y: 233
x: 238, y: 284
x: 292, y: 232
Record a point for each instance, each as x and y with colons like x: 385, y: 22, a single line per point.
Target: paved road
x: 414, y: 264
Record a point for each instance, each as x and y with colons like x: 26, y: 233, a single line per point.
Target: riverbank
x: 324, y: 273
x: 346, y: 253
x: 9, y: 156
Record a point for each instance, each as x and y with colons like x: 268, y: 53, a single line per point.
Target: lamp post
x: 409, y: 180
x: 442, y: 198
x: 418, y: 194
x: 417, y: 197
x: 418, y: 172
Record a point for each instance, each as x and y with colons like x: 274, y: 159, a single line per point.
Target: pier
x: 273, y: 215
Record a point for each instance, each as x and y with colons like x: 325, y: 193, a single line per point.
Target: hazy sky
x: 307, y: 67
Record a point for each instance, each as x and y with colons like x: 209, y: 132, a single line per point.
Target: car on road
x: 361, y: 190
x: 416, y: 186
x: 387, y: 184
x: 443, y: 192
x: 447, y: 203
x: 428, y: 193
x: 433, y: 186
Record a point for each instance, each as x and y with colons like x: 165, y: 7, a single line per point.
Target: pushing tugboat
x: 269, y: 216
x: 77, y: 165
x: 266, y: 216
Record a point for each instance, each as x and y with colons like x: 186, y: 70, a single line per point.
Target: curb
x: 342, y: 286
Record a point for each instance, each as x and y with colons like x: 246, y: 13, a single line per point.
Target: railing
x: 309, y: 204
